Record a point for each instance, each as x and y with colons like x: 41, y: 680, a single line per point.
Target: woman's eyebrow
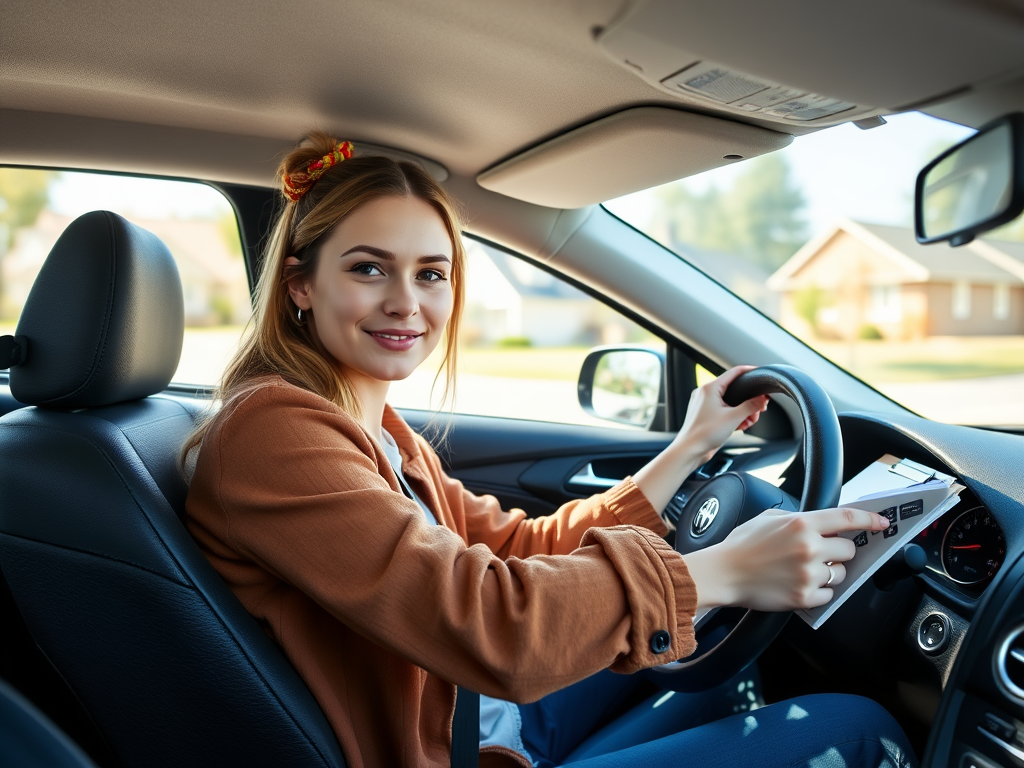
x: 380, y: 253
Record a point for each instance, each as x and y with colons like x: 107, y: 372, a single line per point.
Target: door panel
x: 530, y: 464
x: 538, y: 466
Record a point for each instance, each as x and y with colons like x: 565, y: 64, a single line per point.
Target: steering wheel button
x: 661, y: 641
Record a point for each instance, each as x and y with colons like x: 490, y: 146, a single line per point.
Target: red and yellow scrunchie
x: 298, y: 183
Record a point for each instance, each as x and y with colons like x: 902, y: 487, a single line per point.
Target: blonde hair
x: 275, y: 342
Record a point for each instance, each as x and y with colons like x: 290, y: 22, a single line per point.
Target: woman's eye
x: 368, y: 269
x: 432, y: 275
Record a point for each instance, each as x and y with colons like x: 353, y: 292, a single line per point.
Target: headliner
x: 467, y: 83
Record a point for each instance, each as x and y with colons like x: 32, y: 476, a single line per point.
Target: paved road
x: 540, y: 399
x: 995, y: 400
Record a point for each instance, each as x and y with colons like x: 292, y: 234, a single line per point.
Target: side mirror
x: 976, y: 186
x: 624, y: 385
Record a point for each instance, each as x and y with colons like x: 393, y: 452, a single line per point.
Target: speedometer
x: 973, y: 547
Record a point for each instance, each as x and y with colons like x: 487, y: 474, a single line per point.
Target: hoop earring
x: 300, y: 318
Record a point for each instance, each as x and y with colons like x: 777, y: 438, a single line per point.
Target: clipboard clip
x: 911, y: 470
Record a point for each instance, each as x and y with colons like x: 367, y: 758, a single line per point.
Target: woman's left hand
x: 710, y: 421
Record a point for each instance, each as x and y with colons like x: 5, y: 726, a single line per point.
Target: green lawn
x: 948, y: 357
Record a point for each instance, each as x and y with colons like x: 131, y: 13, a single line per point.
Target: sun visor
x: 626, y: 152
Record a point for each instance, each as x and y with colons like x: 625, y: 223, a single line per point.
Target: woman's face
x: 382, y: 294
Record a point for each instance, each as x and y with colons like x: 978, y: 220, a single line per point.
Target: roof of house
x: 527, y: 280
x: 982, y: 261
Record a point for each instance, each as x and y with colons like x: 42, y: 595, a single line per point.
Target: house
x: 869, y: 280
x: 212, y: 276
x: 507, y: 299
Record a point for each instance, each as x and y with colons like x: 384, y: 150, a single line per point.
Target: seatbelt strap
x: 466, y: 729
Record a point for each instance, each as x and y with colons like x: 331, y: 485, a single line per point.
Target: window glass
x: 195, y: 221
x: 1001, y: 302
x: 961, y: 300
x: 524, y: 336
x: 819, y: 237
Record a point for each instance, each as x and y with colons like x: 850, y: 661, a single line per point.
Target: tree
x: 23, y: 194
x: 760, y: 217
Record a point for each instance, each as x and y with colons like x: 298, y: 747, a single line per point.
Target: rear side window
x: 195, y: 221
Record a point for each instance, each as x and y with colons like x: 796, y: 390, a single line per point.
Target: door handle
x: 587, y: 477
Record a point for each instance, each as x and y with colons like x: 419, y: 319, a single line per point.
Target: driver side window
x: 525, y: 333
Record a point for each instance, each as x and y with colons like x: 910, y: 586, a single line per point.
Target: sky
x: 843, y: 172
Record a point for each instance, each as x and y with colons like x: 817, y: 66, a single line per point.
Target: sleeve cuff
x: 630, y: 507
x: 659, y: 590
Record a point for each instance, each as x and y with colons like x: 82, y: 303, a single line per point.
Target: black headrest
x: 104, y: 320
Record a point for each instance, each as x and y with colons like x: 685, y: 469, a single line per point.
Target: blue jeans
x: 714, y: 728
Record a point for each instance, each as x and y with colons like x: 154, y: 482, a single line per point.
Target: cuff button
x: 661, y: 641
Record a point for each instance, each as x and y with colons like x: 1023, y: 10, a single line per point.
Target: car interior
x: 122, y: 646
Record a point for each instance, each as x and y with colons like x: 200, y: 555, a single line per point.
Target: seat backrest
x: 169, y: 664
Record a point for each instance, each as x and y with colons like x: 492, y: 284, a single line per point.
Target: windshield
x: 819, y: 237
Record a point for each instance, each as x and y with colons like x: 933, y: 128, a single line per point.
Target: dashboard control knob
x: 909, y: 561
x: 933, y: 634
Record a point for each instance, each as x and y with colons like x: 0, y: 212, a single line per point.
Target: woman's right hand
x: 777, y: 560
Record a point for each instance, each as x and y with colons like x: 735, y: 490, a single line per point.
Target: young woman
x: 387, y: 584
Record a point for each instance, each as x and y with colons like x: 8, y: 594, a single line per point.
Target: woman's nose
x: 400, y: 300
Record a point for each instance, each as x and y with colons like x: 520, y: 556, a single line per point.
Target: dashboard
x: 949, y: 636
x: 900, y: 643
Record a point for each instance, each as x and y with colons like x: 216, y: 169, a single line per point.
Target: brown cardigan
x: 383, y: 614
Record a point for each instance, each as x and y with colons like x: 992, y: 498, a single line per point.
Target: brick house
x: 868, y: 280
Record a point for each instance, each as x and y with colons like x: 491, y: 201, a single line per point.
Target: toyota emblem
x: 705, y: 516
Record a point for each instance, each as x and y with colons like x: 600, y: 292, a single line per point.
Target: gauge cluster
x: 965, y: 546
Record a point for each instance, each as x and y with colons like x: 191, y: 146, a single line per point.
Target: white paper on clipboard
x: 911, y: 507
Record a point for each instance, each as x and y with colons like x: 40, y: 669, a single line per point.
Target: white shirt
x: 500, y: 722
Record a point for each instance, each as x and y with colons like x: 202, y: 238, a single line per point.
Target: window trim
x: 231, y: 194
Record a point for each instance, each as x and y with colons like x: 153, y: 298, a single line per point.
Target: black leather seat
x: 29, y: 740
x: 171, y: 667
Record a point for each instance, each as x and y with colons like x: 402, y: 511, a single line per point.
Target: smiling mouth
x: 395, y: 337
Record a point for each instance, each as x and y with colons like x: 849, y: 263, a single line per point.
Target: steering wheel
x: 732, y: 498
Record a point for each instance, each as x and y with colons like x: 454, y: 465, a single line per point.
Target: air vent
x: 1009, y: 663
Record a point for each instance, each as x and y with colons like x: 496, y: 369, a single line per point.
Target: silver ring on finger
x: 831, y: 575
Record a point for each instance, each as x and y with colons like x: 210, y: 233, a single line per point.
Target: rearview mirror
x: 625, y: 385
x: 976, y: 186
